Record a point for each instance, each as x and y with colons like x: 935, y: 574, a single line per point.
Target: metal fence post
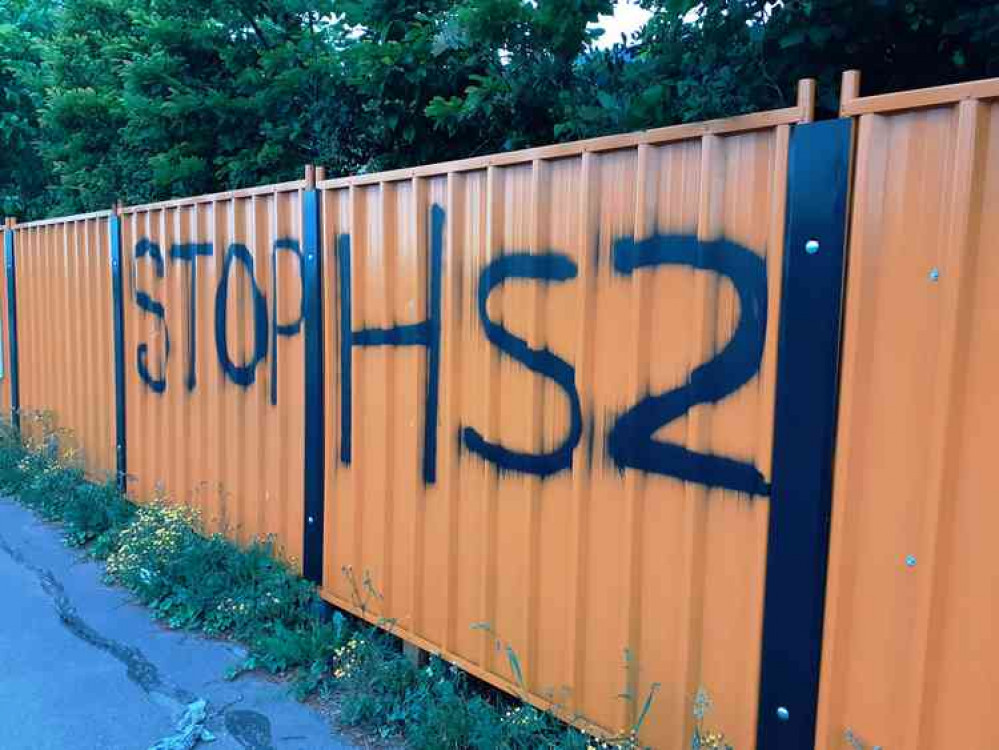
x: 118, y: 317
x: 804, y: 433
x: 15, y: 390
x: 315, y: 454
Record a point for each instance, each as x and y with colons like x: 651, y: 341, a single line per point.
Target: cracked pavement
x: 84, y: 668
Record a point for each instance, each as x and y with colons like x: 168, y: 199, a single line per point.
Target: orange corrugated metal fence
x: 65, y: 343
x: 485, y: 504
x: 542, y: 435
x: 214, y: 358
x: 910, y: 658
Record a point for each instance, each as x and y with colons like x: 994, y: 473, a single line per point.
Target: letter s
x: 146, y: 303
x: 546, y: 267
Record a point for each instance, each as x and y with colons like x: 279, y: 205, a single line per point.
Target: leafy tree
x: 23, y: 173
x: 182, y: 97
x: 526, y: 59
x: 698, y: 60
x: 229, y: 92
x: 897, y: 45
x: 83, y: 112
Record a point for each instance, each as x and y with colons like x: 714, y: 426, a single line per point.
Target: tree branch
x: 256, y: 29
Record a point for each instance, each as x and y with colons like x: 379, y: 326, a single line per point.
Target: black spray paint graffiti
x: 630, y: 441
x: 426, y: 333
x: 240, y: 374
x: 144, y: 248
x: 265, y: 332
x: 190, y: 252
x: 546, y: 268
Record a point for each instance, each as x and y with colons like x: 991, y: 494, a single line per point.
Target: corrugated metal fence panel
x: 910, y: 658
x: 65, y: 342
x: 214, y: 359
x: 602, y: 580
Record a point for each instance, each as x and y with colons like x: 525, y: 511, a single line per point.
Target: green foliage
x: 154, y: 99
x: 436, y: 706
x: 306, y: 650
x: 23, y: 174
x: 95, y: 514
x: 705, y: 739
x: 110, y: 99
x: 700, y: 60
x: 207, y: 582
x: 14, y: 460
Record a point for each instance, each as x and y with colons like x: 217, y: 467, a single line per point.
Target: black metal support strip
x: 804, y: 433
x: 315, y: 431
x: 15, y: 388
x: 118, y: 317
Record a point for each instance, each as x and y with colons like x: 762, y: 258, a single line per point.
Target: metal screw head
x: 910, y: 561
x: 783, y: 714
x: 934, y: 274
x: 812, y: 247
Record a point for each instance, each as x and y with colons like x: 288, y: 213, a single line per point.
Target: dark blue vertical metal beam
x: 15, y: 388
x: 804, y: 433
x: 118, y: 318
x: 315, y: 431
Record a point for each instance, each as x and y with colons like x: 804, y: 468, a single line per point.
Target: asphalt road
x: 83, y: 668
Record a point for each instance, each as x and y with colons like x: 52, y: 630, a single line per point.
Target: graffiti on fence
x: 267, y: 328
x: 545, y: 267
x: 157, y: 384
x: 426, y: 333
x: 630, y: 440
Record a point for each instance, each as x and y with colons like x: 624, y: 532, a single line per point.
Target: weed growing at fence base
x: 204, y: 582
